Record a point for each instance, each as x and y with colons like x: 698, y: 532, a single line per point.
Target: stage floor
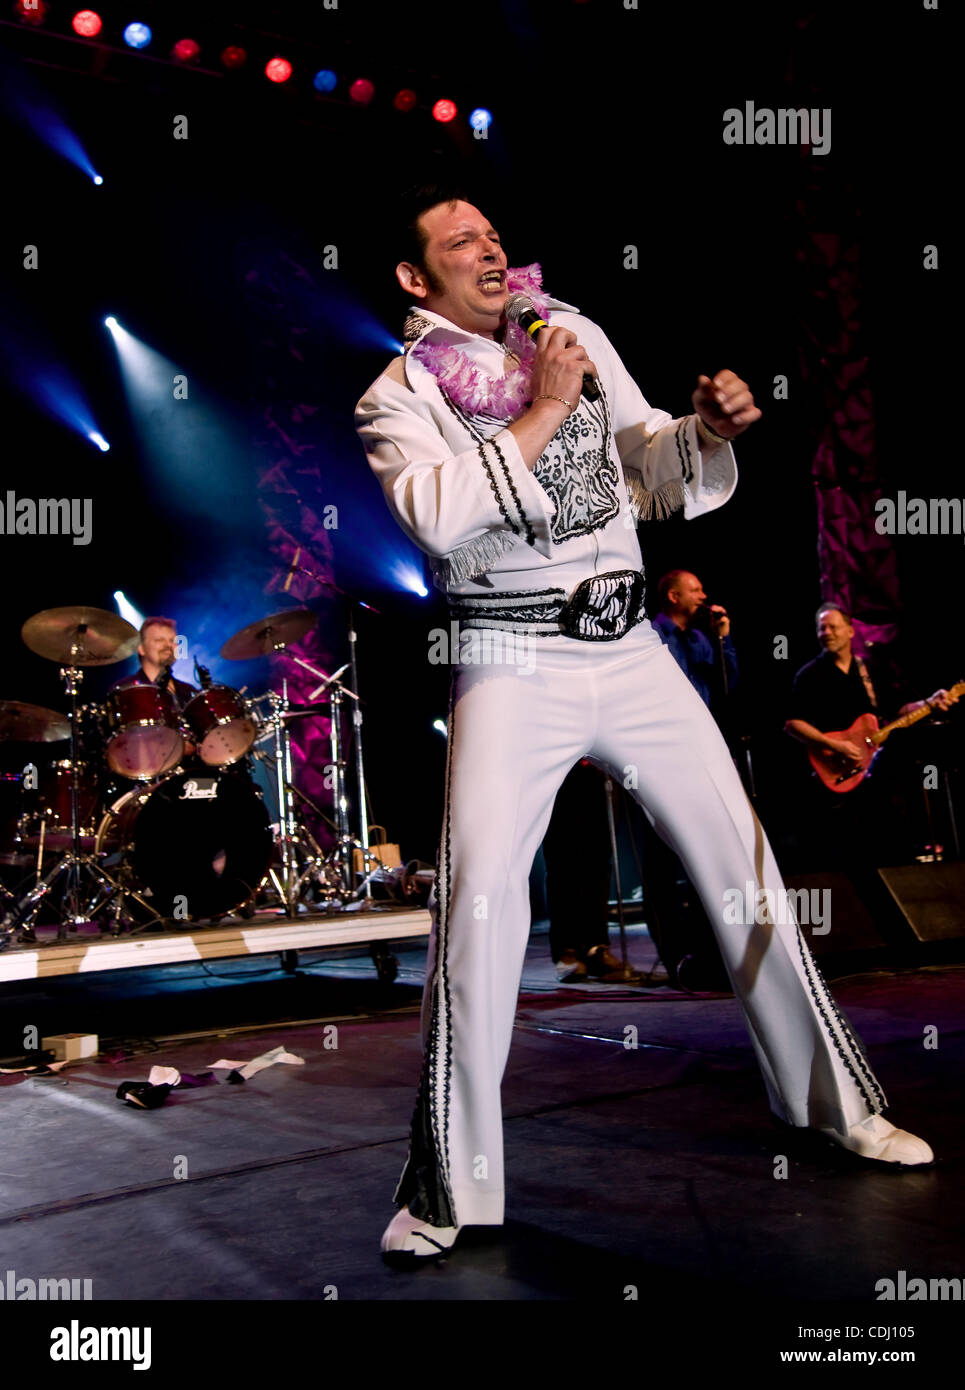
x: 651, y: 1168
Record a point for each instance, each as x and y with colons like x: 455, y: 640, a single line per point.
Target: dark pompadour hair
x: 415, y: 201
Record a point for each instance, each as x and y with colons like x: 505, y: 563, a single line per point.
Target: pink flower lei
x: 471, y: 389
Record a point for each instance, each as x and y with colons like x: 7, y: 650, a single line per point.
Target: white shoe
x: 877, y: 1138
x: 406, y: 1235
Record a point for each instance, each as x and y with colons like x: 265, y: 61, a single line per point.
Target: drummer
x: 157, y: 649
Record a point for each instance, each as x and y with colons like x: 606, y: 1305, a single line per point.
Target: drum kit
x: 154, y: 817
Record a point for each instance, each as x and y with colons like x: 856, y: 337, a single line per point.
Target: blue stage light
x: 407, y: 576
x: 98, y: 180
x: 440, y: 727
x: 324, y: 80
x: 56, y: 391
x: 481, y: 119
x: 127, y: 609
x: 111, y: 322
x: 137, y: 35
x: 49, y: 125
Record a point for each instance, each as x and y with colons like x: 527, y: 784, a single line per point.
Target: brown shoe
x: 600, y: 960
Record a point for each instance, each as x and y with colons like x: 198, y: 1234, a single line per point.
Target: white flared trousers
x: 513, y: 736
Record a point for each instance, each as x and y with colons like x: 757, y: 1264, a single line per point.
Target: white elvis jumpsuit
x: 509, y: 546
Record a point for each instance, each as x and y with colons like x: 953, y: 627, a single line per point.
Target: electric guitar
x: 866, y: 736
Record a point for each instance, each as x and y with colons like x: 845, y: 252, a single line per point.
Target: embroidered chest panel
x: 575, y: 471
x: 578, y: 474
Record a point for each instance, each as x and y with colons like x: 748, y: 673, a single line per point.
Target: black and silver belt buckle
x: 603, y: 608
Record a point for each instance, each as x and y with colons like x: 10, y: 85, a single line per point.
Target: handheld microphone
x: 291, y: 571
x: 520, y: 309
x: 713, y: 619
x: 203, y: 675
x: 162, y: 677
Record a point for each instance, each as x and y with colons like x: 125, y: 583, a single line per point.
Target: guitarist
x: 829, y: 694
x: 835, y: 688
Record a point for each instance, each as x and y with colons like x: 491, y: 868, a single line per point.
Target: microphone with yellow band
x: 520, y: 309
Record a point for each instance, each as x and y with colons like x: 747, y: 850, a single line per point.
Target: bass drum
x: 198, y: 845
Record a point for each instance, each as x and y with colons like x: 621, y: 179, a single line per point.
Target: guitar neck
x: 905, y: 720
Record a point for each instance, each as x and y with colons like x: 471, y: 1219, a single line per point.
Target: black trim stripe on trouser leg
x: 844, y: 1041
x: 424, y: 1184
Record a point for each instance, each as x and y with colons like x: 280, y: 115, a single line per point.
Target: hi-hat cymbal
x: 269, y: 635
x: 80, y: 636
x: 31, y: 723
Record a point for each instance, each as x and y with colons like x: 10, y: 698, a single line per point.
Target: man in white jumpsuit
x: 525, y: 493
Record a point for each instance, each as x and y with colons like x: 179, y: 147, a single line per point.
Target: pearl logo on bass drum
x: 199, y: 789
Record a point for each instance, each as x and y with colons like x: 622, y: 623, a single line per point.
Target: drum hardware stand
x: 286, y: 810
x: 73, y: 866
x: 294, y: 835
x: 291, y: 834
x: 368, y: 869
x: 370, y: 861
x: 342, y: 856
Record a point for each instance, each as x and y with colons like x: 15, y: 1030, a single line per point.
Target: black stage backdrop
x: 255, y: 257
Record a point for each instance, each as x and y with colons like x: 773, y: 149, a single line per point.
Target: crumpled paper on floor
x: 257, y: 1064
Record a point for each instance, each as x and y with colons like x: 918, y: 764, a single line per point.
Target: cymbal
x: 31, y: 723
x: 269, y: 635
x: 80, y: 636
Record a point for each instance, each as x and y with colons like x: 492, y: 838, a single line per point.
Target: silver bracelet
x: 561, y: 399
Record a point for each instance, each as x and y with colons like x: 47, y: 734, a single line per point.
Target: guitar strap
x: 866, y: 680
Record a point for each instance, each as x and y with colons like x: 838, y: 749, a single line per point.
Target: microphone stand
x: 628, y: 974
x: 359, y: 764
x: 750, y: 785
x: 724, y: 682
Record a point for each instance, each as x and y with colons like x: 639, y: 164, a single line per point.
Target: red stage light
x: 404, y: 100
x: 87, y: 23
x: 234, y: 57
x: 362, y: 91
x: 444, y: 110
x: 278, y: 70
x: 186, y: 50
